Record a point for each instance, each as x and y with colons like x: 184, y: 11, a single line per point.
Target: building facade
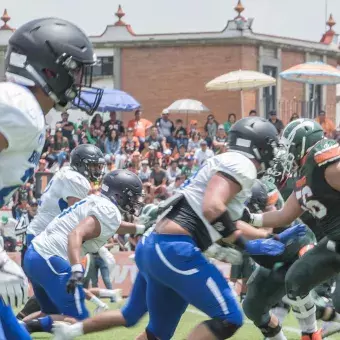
x: 158, y: 69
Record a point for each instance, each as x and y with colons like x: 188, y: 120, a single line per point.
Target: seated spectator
x: 130, y: 144
x: 67, y: 129
x: 97, y: 124
x: 42, y: 166
x: 47, y: 144
x: 219, y: 140
x: 140, y: 126
x: 144, y: 172
x: 136, y: 161
x: 193, y: 127
x: 230, y: 122
x: 189, y: 168
x: 175, y: 185
x: 181, y: 139
x: 276, y: 121
x: 113, y: 145
x: 204, y: 136
x: 173, y: 171
x: 158, y: 180
x: 326, y: 123
x: 129, y: 166
x: 156, y: 140
x: 194, y: 141
x: 210, y: 126
x: 203, y: 153
x: 110, y: 165
x: 166, y: 159
x: 180, y: 130
x: 166, y: 128
x: 114, y: 124
x: 180, y: 156
x: 59, y: 148
x: 294, y: 116
x: 153, y: 156
x: 84, y: 133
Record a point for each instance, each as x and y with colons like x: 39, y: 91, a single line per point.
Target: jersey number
x: 316, y: 208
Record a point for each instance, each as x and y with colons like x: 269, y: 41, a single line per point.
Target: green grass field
x: 190, y: 318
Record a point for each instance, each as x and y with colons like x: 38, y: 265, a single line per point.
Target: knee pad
x: 302, y: 307
x: 222, y: 329
x: 270, y: 332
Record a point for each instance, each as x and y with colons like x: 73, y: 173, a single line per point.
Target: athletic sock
x: 280, y: 313
x: 279, y: 336
x: 97, y: 301
x: 106, y: 293
x: 308, y: 325
x: 43, y: 324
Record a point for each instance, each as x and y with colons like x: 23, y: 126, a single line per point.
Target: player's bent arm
x: 280, y: 218
x: 87, y: 229
x: 130, y: 228
x: 250, y: 232
x: 3, y: 142
x: 72, y: 200
x: 332, y: 176
x: 219, y: 192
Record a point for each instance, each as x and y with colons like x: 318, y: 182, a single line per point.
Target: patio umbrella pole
x: 242, y: 104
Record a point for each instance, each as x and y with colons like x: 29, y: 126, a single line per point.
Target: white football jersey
x: 65, y: 183
x: 54, y: 239
x: 22, y: 123
x: 235, y: 165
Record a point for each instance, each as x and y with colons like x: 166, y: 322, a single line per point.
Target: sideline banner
x: 126, y: 270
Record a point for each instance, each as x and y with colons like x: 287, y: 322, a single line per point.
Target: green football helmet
x: 149, y: 215
x: 297, y: 139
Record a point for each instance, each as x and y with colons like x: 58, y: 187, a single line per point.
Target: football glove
x: 13, y: 281
x: 264, y: 247
x: 224, y: 254
x: 76, y: 278
x: 293, y: 232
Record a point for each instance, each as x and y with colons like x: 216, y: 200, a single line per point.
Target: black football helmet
x: 125, y: 189
x: 88, y: 160
x: 56, y: 56
x: 256, y: 138
x: 259, y: 198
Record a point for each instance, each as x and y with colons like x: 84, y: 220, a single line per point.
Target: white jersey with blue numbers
x: 22, y: 123
x: 236, y: 166
x: 64, y: 184
x: 54, y: 239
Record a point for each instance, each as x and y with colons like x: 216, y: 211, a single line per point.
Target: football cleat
x: 315, y: 336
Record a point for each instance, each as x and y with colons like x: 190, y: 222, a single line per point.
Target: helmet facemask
x: 94, y: 170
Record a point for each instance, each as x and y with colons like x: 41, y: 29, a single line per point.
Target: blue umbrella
x: 112, y: 100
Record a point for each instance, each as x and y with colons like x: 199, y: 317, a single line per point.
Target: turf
x: 190, y: 318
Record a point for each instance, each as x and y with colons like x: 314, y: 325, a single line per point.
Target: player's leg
x: 177, y: 263
x: 317, y: 265
x: 32, y: 306
x: 265, y: 289
x: 131, y: 313
x: 248, y: 267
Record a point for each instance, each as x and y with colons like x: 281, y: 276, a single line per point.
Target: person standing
x: 276, y: 121
x: 326, y: 123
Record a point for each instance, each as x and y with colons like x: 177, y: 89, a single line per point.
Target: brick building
x: 158, y: 69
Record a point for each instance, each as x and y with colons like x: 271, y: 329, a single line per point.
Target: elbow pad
x: 224, y: 224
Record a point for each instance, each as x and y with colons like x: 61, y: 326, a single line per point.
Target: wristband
x: 257, y: 220
x: 77, y: 268
x: 140, y: 228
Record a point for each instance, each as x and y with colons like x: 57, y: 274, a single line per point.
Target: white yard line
x: 285, y: 328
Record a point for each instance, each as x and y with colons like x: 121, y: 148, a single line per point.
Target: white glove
x: 224, y: 254
x: 13, y: 282
x: 109, y: 259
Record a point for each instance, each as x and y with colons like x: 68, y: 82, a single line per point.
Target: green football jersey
x: 313, y: 192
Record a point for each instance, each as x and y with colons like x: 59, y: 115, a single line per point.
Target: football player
x: 53, y: 260
x: 172, y: 269
x: 316, y: 190
x: 45, y: 63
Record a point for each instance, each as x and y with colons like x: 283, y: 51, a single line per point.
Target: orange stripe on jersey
x: 301, y: 182
x: 327, y: 155
x: 273, y: 197
x: 304, y: 249
x: 84, y: 262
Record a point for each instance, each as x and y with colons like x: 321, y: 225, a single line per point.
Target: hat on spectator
x: 189, y: 158
x: 85, y: 121
x: 167, y: 152
x: 221, y: 127
x: 130, y: 129
x: 203, y: 142
x: 152, y: 147
x: 59, y: 129
x: 272, y: 113
x: 165, y: 112
x: 4, y: 219
x: 145, y: 162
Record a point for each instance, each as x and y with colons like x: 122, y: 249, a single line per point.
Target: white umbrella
x: 186, y: 106
x: 239, y: 81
